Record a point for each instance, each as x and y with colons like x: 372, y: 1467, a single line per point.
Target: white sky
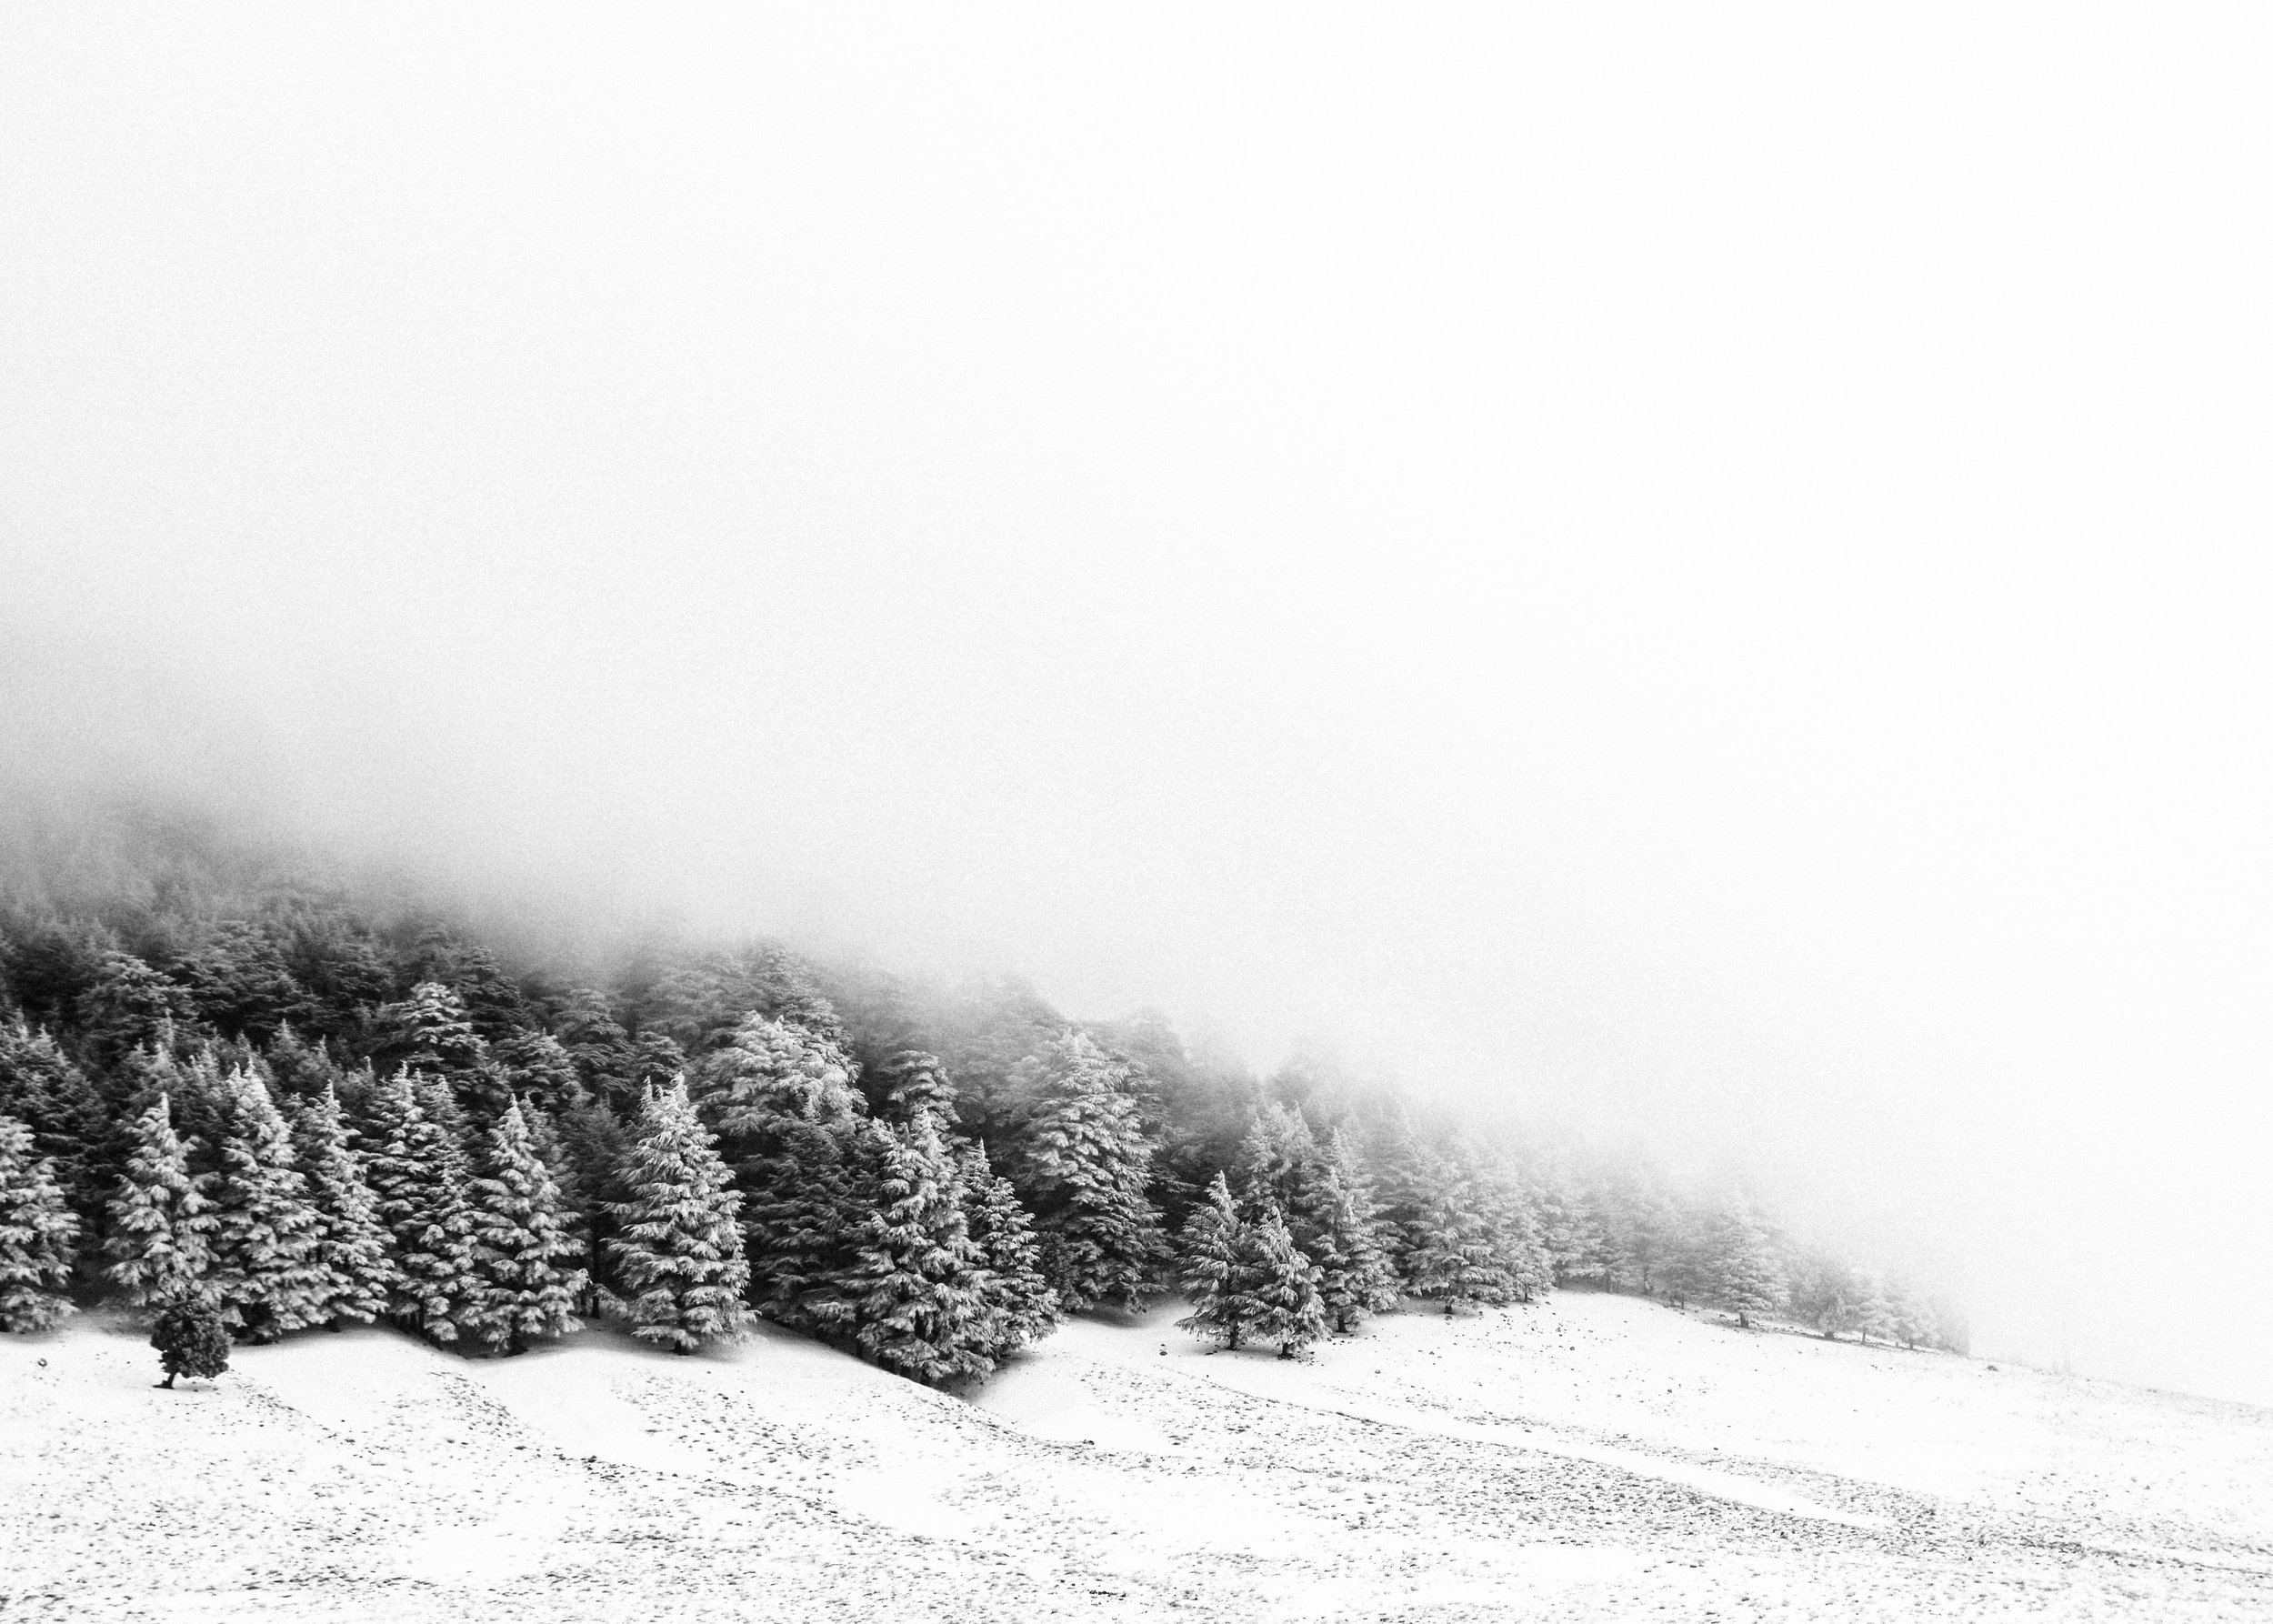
x: 1706, y: 566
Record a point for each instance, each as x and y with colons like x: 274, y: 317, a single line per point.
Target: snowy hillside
x: 1593, y: 1458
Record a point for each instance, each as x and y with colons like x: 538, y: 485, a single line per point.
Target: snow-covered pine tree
x: 353, y: 1246
x: 523, y: 1290
x: 1567, y: 1222
x: 1021, y: 1307
x: 429, y: 1032
x: 1210, y: 1257
x: 1356, y: 1278
x: 1511, y: 1228
x: 1282, y: 1287
x: 267, y: 1275
x: 1914, y: 1320
x: 1084, y: 1167
x: 41, y: 1087
x: 161, y: 1233
x: 416, y: 1170
x: 678, y: 1250
x: 914, y: 1080
x: 37, y: 1230
x: 1874, y: 1315
x: 1740, y: 1265
x: 1280, y: 1165
x: 918, y: 1285
x: 1451, y: 1261
x: 803, y: 1151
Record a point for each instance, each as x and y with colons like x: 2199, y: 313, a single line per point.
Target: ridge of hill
x: 1593, y: 1456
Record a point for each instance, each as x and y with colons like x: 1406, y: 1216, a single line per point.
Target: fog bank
x: 1704, y: 575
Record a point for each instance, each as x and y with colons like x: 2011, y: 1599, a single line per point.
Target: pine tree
x: 161, y: 1233
x: 678, y: 1250
x: 1282, y: 1288
x: 1356, y: 1278
x: 129, y: 1005
x: 1740, y: 1267
x: 353, y: 1246
x: 918, y: 1284
x: 430, y: 1032
x: 266, y: 1273
x: 1874, y: 1315
x: 1209, y: 1258
x: 913, y: 1080
x: 191, y: 1339
x: 1511, y: 1228
x: 37, y: 1230
x: 1451, y: 1261
x: 521, y: 1235
x: 791, y: 1126
x: 1282, y: 1166
x: 1085, y: 1166
x: 42, y: 1089
x: 416, y: 1170
x: 1567, y: 1223
x: 1021, y: 1307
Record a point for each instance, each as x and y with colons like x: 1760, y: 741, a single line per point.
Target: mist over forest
x: 1687, y: 612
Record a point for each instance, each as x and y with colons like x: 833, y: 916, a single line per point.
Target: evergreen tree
x: 1452, y: 1260
x: 42, y: 1089
x: 1740, y: 1267
x: 353, y: 1246
x: 1211, y: 1260
x: 301, y: 1070
x: 1512, y: 1230
x: 416, y: 1170
x: 430, y: 1032
x: 129, y: 1005
x: 1356, y: 1278
x: 1021, y: 1307
x: 598, y: 1047
x: 1874, y: 1314
x: 918, y: 1284
x: 1085, y: 1166
x: 1566, y: 1223
x: 538, y: 1072
x: 1281, y: 1287
x: 267, y: 1274
x: 678, y: 1250
x: 1282, y: 1166
x: 240, y: 984
x: 521, y: 1236
x: 37, y: 1230
x: 805, y: 1158
x: 913, y: 1081
x: 191, y: 1339
x: 160, y: 1241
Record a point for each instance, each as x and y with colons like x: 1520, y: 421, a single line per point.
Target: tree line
x: 255, y: 1110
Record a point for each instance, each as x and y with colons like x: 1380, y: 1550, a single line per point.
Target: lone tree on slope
x: 191, y: 1339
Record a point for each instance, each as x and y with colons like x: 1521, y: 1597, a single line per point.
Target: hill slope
x: 1593, y: 1458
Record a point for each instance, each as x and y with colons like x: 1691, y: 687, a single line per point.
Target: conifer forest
x: 251, y: 1104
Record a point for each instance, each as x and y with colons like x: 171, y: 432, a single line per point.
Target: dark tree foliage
x: 191, y: 1340
x: 128, y: 1006
x: 241, y: 984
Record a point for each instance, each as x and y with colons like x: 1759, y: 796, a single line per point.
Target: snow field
x: 1595, y: 1456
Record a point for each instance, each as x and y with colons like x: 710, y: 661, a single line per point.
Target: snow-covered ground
x: 1593, y: 1458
